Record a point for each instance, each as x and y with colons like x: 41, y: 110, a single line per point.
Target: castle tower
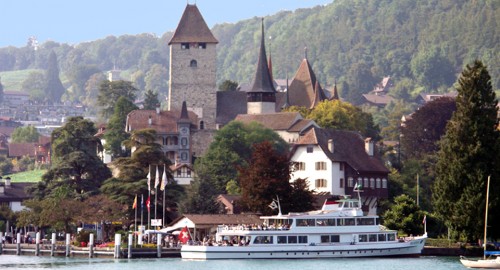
x: 193, y: 68
x: 183, y: 125
x: 261, y: 98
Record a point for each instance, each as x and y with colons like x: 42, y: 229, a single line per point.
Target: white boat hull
x: 410, y: 248
x: 484, y: 264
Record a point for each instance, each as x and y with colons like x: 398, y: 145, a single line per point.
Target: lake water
x: 32, y: 262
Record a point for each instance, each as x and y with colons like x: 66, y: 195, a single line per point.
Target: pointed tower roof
x: 262, y: 80
x: 184, y: 114
x: 335, y: 92
x: 317, y: 97
x: 270, y: 65
x: 302, y: 88
x: 192, y: 28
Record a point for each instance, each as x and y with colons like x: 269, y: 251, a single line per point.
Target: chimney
x: 330, y: 145
x: 7, y: 182
x: 369, y: 146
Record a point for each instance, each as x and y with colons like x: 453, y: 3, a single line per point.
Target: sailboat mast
x: 486, y: 216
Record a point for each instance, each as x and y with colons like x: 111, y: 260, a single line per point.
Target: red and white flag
x: 148, y: 203
x: 184, y: 235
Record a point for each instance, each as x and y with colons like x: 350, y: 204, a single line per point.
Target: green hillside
x: 12, y: 80
x: 28, y: 176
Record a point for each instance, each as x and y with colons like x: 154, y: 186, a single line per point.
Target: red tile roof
x: 21, y: 149
x: 163, y: 122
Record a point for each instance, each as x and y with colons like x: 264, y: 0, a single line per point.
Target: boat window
x: 391, y: 236
x: 302, y: 239
x: 381, y: 237
x: 365, y: 221
x: 335, y: 238
x: 281, y: 239
x: 325, y: 222
x: 349, y: 222
x: 305, y: 222
x: 330, y: 238
x: 363, y: 238
x: 263, y: 239
x: 325, y: 239
x: 292, y: 239
x: 372, y: 238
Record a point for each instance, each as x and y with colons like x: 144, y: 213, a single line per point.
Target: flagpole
x: 163, y: 223
x: 142, y: 208
x: 135, y: 218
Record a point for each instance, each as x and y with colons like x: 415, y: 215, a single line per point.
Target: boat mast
x: 486, y: 217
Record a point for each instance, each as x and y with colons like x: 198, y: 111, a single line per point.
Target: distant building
x: 13, y: 194
x: 379, y: 95
x: 15, y: 98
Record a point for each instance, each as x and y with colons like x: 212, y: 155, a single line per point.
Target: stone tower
x: 193, y: 68
x: 261, y: 98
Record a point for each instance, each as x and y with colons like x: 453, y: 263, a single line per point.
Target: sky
x: 76, y: 21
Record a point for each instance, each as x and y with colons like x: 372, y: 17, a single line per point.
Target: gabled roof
x: 163, y: 122
x: 302, y: 88
x: 348, y: 147
x: 15, y: 193
x: 192, y: 28
x: 274, y: 121
x: 378, y: 99
x: 21, y: 149
x: 262, y: 79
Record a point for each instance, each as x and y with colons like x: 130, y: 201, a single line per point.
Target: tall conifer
x: 468, y: 155
x: 54, y: 88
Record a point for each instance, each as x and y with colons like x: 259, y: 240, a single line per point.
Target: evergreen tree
x: 115, y: 131
x: 151, y: 100
x: 54, y: 88
x: 469, y: 154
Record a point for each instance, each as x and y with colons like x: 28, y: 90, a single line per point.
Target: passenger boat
x: 338, y: 230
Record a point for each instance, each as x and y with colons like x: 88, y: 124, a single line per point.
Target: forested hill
x: 424, y: 43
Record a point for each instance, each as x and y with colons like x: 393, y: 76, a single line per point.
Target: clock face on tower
x: 184, y: 130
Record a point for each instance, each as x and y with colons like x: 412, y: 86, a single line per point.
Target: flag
x: 184, y: 235
x: 149, y: 178
x: 148, y: 202
x: 134, y: 205
x: 425, y: 219
x: 163, y: 179
x: 273, y: 205
x: 157, y: 177
x: 142, y: 202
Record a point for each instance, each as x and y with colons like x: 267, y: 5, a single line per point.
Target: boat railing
x: 246, y: 227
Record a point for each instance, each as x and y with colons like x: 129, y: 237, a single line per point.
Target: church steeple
x: 261, y: 98
x: 335, y: 94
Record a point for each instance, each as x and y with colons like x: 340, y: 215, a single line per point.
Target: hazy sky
x: 75, y: 21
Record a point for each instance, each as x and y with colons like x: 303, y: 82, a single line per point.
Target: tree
x: 432, y: 69
x: 115, y: 133
x: 79, y: 75
x: 421, y: 132
x: 1, y: 91
x: 405, y: 216
x: 335, y: 114
x: 54, y: 88
x: 25, y: 134
x: 266, y: 175
x: 360, y: 80
x: 232, y: 147
x: 34, y: 84
x: 75, y: 164
x: 110, y: 92
x: 469, y: 153
x: 92, y: 91
x: 151, y: 101
x: 156, y: 79
x: 228, y: 85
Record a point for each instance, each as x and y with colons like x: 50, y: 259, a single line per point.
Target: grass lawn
x: 28, y: 176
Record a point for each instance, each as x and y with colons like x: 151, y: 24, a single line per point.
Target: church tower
x: 193, y: 68
x: 261, y: 98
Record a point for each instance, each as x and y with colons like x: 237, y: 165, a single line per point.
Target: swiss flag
x: 184, y: 235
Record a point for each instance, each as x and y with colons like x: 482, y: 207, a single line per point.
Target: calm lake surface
x: 32, y: 262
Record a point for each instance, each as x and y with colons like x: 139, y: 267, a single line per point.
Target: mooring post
x: 37, y: 244
x: 91, y: 245
x: 130, y: 243
x: 118, y: 240
x: 158, y: 244
x: 68, y: 244
x: 1, y: 243
x: 18, y: 244
x: 53, y: 244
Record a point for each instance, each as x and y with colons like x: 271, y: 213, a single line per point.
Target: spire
x: 287, y: 101
x: 184, y: 114
x: 270, y: 64
x: 262, y: 80
x: 335, y: 94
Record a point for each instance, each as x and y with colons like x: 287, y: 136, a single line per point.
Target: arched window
x: 202, y: 125
x: 372, y: 182
x: 377, y: 182
x: 193, y: 63
x: 384, y: 183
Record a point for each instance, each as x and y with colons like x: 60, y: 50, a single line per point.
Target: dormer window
x: 185, y: 46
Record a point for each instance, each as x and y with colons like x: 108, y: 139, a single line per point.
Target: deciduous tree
x: 25, y: 134
x: 110, y: 92
x: 115, y: 133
